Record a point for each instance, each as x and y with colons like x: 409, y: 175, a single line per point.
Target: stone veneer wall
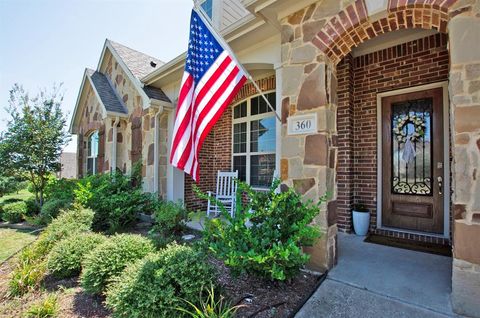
x: 309, y: 85
x: 360, y: 79
x: 464, y: 89
x: 148, y: 152
x: 91, y: 120
x: 132, y: 132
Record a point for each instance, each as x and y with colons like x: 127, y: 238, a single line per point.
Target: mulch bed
x: 72, y: 300
x: 261, y: 298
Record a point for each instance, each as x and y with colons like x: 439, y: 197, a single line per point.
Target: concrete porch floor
x: 372, y: 280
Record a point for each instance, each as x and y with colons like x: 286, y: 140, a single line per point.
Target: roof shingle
x: 107, y: 93
x: 140, y: 64
x: 156, y: 93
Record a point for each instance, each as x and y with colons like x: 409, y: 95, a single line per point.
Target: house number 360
x: 303, y: 124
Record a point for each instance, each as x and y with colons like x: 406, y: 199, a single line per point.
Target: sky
x: 43, y: 42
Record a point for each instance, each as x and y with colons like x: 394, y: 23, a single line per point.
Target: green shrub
x: 71, y: 222
x: 108, y: 260
x: 115, y: 199
x: 169, y: 219
x: 272, y: 246
x: 33, y: 208
x: 156, y: 285
x: 65, y: 258
x: 14, y: 212
x: 47, y: 307
x: 51, y: 209
x: 30, y: 268
x: 26, y: 277
x: 7, y: 201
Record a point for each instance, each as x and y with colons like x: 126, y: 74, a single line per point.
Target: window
x: 254, y: 141
x: 92, y: 153
x: 207, y: 7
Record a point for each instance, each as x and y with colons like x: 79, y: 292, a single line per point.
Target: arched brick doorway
x: 315, y: 40
x: 353, y: 26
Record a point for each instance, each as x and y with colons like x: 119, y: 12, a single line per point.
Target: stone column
x: 464, y: 90
x: 308, y: 161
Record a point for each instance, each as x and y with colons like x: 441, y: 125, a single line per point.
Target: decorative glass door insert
x: 411, y: 128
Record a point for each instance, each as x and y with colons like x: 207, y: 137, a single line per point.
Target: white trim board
x: 446, y: 156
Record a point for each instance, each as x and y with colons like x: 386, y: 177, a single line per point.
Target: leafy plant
x: 114, y: 199
x: 14, y: 212
x: 60, y: 189
x: 211, y: 307
x: 47, y: 307
x: 272, y: 245
x: 156, y: 285
x: 109, y: 259
x: 65, y: 259
x: 169, y: 219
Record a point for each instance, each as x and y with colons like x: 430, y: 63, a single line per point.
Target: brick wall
x: 360, y: 80
x: 345, y: 143
x: 215, y: 155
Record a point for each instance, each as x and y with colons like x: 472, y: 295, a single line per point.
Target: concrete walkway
x: 373, y: 280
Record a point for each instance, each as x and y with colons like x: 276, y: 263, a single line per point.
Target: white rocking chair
x: 226, y: 193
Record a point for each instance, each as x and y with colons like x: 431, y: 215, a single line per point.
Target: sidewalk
x: 373, y: 280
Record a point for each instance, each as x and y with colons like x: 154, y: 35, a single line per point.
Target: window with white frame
x: 254, y: 141
x: 207, y: 7
x: 92, y: 153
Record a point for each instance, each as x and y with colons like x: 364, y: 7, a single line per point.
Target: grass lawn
x: 12, y: 241
x: 22, y: 194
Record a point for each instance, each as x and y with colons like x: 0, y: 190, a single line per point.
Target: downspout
x: 113, y: 167
x: 156, y: 147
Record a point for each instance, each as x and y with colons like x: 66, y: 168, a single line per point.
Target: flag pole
x: 225, y: 45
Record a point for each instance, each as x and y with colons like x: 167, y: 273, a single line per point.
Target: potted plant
x: 361, y: 219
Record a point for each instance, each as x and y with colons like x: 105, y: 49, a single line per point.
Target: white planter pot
x: 361, y: 222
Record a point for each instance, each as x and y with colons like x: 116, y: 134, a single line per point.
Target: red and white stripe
x: 200, y: 107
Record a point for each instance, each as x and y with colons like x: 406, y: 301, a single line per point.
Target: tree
x: 35, y: 137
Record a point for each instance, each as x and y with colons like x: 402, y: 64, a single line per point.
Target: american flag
x: 211, y: 79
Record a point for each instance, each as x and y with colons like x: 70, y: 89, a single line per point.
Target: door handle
x: 440, y: 184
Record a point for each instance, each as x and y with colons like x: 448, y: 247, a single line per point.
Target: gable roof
x: 135, y: 64
x: 107, y: 94
x: 109, y: 100
x: 140, y: 64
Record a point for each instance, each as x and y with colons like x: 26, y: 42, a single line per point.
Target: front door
x: 412, y: 161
